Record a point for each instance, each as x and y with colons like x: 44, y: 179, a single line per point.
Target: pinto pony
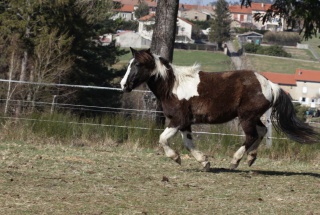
x: 190, y: 96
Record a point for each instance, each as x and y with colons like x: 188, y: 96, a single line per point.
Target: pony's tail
x: 284, y: 119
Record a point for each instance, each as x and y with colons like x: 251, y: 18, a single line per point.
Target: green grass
x: 281, y: 65
x: 314, y: 43
x: 303, y: 54
x: 210, y: 61
x: 41, y: 178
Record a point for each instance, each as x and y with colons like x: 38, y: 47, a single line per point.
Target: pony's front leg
x: 198, y: 155
x: 166, y: 134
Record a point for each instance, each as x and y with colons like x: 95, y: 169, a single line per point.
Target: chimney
x: 262, y: 5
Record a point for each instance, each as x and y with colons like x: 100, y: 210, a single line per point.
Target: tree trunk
x: 165, y: 28
x: 163, y: 38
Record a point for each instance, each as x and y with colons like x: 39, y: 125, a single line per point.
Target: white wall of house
x: 124, y: 15
x: 143, y: 29
x: 132, y: 39
x: 184, y: 28
x: 307, y: 93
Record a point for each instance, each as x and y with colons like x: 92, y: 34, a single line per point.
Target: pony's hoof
x: 177, y: 160
x: 206, y: 167
x: 250, y: 162
x: 233, y: 166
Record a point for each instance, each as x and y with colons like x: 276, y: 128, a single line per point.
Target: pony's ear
x: 165, y: 62
x: 149, y: 51
x: 133, y: 51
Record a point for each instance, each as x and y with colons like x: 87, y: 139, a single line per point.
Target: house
x: 245, y: 15
x: 252, y: 36
x: 303, y: 86
x: 125, y: 8
x: 125, y: 12
x: 183, y: 31
x: 195, y: 12
x: 131, y: 39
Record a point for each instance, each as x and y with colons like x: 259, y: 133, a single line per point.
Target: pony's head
x: 141, y: 68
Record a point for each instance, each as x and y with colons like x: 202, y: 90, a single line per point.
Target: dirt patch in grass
x: 56, y: 179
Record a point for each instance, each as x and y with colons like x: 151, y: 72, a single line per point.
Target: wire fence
x: 102, y: 109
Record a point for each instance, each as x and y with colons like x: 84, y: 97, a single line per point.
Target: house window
x: 196, y: 17
x: 304, y: 89
x: 241, y: 18
x: 303, y: 99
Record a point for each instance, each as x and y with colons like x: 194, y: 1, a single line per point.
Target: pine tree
x: 220, y: 27
x: 72, y: 26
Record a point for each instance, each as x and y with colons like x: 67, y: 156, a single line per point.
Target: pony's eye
x: 137, y: 64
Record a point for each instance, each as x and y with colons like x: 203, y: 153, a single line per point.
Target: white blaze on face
x: 125, y: 77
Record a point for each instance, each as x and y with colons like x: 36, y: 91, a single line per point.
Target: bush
x: 251, y: 48
x: 282, y: 38
x: 274, y: 51
x: 269, y: 50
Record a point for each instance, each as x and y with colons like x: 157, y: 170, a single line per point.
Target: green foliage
x: 244, y: 30
x: 282, y: 38
x: 220, y: 27
x: 127, y: 25
x: 268, y: 50
x: 301, y: 13
x: 75, y: 25
x: 142, y: 10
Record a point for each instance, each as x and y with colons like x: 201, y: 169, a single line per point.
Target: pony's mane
x: 180, y: 72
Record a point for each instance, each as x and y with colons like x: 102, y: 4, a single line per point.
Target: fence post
x: 52, y: 104
x: 269, y: 127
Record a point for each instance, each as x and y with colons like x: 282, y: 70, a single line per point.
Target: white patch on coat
x: 186, y: 78
x: 187, y: 81
x: 269, y: 89
x: 125, y: 77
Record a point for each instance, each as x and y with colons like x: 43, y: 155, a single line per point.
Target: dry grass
x: 41, y: 178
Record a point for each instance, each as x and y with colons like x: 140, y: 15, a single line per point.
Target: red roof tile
x: 280, y: 78
x: 151, y: 3
x: 126, y: 8
x: 248, y: 10
x: 307, y: 75
x: 147, y: 17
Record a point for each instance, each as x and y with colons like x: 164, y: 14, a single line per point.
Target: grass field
x: 303, y: 54
x: 40, y: 178
x: 210, y: 61
x: 314, y: 43
x: 281, y: 65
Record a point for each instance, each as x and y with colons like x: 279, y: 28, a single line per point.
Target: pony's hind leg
x: 250, y: 130
x: 252, y: 151
x: 169, y: 152
x: 198, y: 155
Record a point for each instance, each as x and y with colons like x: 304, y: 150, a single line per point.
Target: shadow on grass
x: 259, y: 172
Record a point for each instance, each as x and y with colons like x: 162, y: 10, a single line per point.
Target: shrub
x: 282, y: 38
x: 251, y: 48
x: 269, y: 50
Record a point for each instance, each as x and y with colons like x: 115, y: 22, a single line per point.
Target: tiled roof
x: 150, y: 3
x: 195, y: 7
x: 280, y: 78
x: 147, y: 17
x: 248, y: 10
x: 307, y: 75
x: 126, y: 8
